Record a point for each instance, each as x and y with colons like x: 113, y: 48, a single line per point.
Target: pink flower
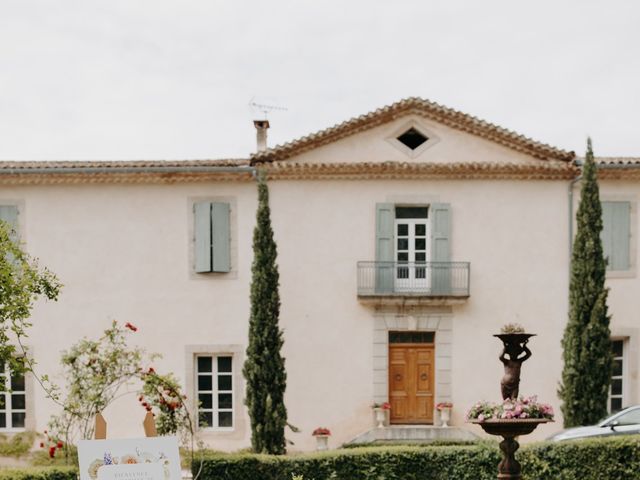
x: 481, y: 417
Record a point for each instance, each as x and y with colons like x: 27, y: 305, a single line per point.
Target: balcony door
x: 411, y: 255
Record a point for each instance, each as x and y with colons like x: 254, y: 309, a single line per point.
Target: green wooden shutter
x: 440, y: 222
x: 9, y: 214
x: 220, y: 237
x: 385, y: 215
x: 203, y: 257
x: 616, y: 234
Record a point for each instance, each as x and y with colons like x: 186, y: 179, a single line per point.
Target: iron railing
x: 429, y: 279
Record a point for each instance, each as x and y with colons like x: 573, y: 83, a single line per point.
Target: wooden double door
x: 411, y: 383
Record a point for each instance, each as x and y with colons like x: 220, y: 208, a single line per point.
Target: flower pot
x: 322, y: 442
x: 445, y: 416
x: 381, y: 417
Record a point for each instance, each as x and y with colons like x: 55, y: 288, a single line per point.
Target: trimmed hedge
x: 40, y: 473
x: 605, y: 459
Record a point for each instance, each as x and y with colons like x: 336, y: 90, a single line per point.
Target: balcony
x: 424, y: 283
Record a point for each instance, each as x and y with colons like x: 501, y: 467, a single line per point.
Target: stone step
x: 414, y: 434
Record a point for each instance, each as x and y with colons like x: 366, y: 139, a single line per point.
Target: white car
x: 625, y: 422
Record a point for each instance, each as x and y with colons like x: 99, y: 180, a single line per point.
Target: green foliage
x: 95, y: 372
x: 606, y: 459
x: 163, y: 392
x: 34, y: 473
x: 586, y: 343
x: 41, y: 458
x: 264, y: 368
x: 22, y: 282
x: 17, y: 445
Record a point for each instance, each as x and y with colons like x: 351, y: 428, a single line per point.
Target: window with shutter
x: 212, y: 237
x: 616, y: 234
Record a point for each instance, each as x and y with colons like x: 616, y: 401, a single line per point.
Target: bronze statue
x: 511, y: 381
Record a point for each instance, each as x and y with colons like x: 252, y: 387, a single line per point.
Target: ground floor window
x: 214, y: 384
x: 12, y: 399
x: 616, y: 391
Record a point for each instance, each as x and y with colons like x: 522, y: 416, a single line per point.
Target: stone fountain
x: 514, y: 353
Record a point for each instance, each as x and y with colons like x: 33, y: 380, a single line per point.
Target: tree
x: 264, y: 367
x: 22, y: 282
x: 586, y: 343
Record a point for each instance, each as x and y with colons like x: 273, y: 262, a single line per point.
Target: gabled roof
x: 413, y: 105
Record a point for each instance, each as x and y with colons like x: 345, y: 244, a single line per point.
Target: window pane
x: 411, y: 212
x: 204, y: 364
x: 421, y: 272
x: 205, y: 419
x: 616, y: 386
x: 402, y: 272
x: 225, y: 419
x: 617, y: 368
x: 403, y: 229
x: 616, y: 346
x: 411, y: 337
x: 204, y: 382
x: 421, y: 256
x: 17, y: 420
x: 631, y: 418
x: 17, y: 402
x: 224, y: 382
x: 616, y: 404
x: 225, y: 401
x: 403, y: 244
x: 224, y: 364
x: 17, y: 383
x: 421, y: 244
x: 206, y: 400
x: 2, y: 401
x: 3, y: 420
x: 421, y: 229
x: 403, y: 256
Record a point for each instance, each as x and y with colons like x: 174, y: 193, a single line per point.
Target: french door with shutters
x: 411, y: 377
x: 411, y: 255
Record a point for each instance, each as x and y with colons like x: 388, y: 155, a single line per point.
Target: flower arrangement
x: 523, y: 408
x: 321, y: 431
x: 442, y: 405
x: 512, y: 328
x: 383, y: 406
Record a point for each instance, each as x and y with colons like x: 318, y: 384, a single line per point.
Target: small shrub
x: 53, y: 473
x: 16, y: 445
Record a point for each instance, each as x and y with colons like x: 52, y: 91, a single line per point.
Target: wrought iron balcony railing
x: 427, y: 279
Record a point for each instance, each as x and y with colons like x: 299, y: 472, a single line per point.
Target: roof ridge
x: 448, y: 116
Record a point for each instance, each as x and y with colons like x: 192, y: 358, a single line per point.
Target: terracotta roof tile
x: 425, y: 108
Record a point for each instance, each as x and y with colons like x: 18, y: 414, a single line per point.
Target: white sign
x: 154, y: 458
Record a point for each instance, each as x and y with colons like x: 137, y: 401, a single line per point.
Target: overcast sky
x: 172, y: 79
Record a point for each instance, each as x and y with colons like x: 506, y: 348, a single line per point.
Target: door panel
x: 411, y: 369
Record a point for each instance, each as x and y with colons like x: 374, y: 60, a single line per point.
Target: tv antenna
x: 264, y: 107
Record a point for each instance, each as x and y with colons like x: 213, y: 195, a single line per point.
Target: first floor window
x: 616, y: 390
x: 12, y: 399
x: 214, y: 385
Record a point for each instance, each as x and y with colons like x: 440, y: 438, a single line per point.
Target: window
x: 214, y: 384
x: 412, y: 138
x: 616, y: 390
x: 212, y: 238
x: 616, y: 235
x: 12, y: 399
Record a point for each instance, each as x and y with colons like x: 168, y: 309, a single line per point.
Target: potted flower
x: 444, y: 408
x: 322, y: 435
x: 381, y: 410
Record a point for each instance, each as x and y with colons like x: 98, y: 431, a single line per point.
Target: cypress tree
x: 264, y: 368
x: 586, y: 344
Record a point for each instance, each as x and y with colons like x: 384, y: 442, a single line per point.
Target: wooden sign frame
x: 148, y: 423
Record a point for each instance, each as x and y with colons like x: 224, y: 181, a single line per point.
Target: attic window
x: 412, y: 138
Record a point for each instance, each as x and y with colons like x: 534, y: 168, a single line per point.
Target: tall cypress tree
x: 264, y: 367
x: 586, y: 343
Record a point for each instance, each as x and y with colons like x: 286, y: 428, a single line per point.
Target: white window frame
x: 215, y: 392
x: 622, y: 377
x: 8, y: 407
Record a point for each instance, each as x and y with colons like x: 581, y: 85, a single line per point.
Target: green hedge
x: 40, y: 473
x: 606, y: 459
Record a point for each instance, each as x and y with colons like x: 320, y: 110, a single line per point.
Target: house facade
x: 406, y: 238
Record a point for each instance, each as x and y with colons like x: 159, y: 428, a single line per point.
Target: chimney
x: 261, y: 133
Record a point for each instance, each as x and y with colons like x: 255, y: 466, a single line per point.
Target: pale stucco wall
x: 91, y: 236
